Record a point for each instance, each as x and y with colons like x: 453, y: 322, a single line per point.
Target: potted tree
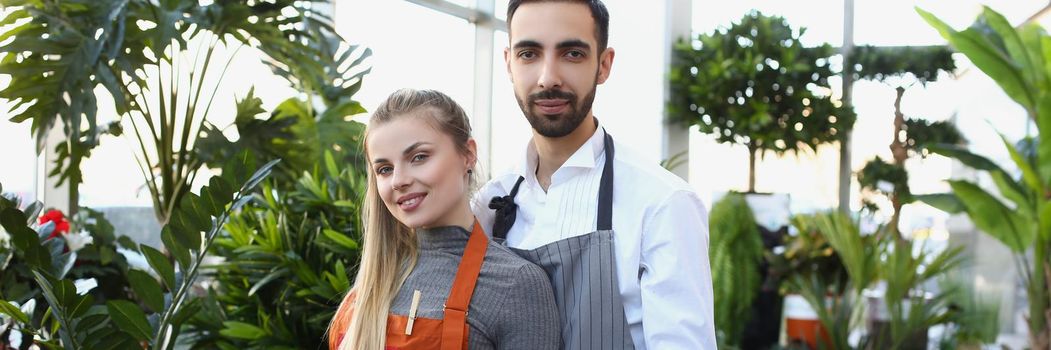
x: 755, y: 84
x: 903, y: 68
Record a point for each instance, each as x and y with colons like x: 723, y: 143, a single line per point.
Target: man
x: 624, y: 241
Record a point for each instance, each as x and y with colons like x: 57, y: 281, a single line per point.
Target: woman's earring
x: 469, y: 171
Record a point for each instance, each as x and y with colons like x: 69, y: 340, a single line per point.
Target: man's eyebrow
x: 574, y: 43
x: 527, y: 44
x: 407, y: 150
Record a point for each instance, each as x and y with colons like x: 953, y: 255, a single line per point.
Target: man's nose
x: 549, y: 74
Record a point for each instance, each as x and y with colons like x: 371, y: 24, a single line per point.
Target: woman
x: 429, y: 277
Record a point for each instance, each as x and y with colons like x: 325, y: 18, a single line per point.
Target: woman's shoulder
x: 509, y: 271
x: 515, y: 292
x: 501, y: 258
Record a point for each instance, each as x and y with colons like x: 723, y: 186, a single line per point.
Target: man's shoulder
x: 640, y: 174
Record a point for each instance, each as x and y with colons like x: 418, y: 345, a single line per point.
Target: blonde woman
x: 429, y: 277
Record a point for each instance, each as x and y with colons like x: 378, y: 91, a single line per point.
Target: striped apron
x: 582, y: 271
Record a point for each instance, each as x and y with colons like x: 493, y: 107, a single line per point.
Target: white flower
x: 85, y: 285
x: 28, y: 307
x: 15, y: 339
x: 885, y: 186
x: 137, y: 261
x: 213, y: 260
x: 77, y: 241
x: 3, y: 237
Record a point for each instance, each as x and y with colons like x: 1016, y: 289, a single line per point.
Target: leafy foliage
x: 886, y: 178
x: 295, y: 130
x: 755, y: 84
x: 287, y: 264
x: 61, y: 52
x: 922, y: 63
x: 976, y: 319
x: 1020, y: 217
x: 736, y: 251
x: 868, y: 259
x: 896, y: 66
x: 77, y: 320
x: 921, y: 133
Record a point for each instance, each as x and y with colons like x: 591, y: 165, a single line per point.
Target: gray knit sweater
x: 513, y: 306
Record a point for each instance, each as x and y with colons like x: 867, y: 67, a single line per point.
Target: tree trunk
x: 74, y: 185
x: 74, y: 199
x: 897, y: 148
x: 752, y: 150
x: 1039, y: 330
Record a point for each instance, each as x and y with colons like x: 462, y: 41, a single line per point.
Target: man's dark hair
x: 598, y: 13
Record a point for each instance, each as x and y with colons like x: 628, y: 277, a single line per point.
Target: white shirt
x: 660, y: 235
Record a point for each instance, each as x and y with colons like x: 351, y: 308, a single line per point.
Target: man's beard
x: 557, y: 125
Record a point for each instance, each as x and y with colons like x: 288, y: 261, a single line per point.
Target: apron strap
x: 605, y: 189
x: 455, y: 321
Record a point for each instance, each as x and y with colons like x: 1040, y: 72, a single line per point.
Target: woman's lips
x: 411, y: 201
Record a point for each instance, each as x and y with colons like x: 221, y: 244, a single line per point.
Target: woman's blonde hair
x: 389, y: 247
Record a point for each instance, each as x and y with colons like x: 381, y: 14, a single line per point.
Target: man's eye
x: 575, y: 54
x: 527, y: 55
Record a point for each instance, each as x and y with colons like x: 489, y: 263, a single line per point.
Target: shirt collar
x: 585, y: 157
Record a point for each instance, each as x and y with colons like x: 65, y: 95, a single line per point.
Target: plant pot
x: 764, y: 326
x: 879, y: 325
x: 772, y: 214
x: 772, y: 210
x: 802, y: 325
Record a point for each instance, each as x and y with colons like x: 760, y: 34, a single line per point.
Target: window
x: 19, y: 168
x: 509, y: 125
x: 412, y: 47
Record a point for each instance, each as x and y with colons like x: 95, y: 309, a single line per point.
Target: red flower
x: 56, y: 216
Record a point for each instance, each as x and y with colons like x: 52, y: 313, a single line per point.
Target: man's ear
x: 605, y: 64
x: 507, y: 61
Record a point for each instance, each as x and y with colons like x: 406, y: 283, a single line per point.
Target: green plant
x: 859, y: 256
x: 975, y: 315
x: 296, y: 131
x: 140, y: 52
x: 755, y: 84
x: 1015, y: 58
x: 93, y: 248
x: 903, y: 67
x: 808, y: 255
x: 287, y: 264
x: 912, y: 311
x: 736, y: 251
x: 73, y: 320
x: 868, y: 259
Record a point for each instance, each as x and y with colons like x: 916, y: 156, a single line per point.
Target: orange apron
x: 449, y: 333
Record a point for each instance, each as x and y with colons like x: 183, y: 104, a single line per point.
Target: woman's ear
x: 471, y: 158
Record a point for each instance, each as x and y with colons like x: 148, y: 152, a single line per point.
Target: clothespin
x: 412, y: 311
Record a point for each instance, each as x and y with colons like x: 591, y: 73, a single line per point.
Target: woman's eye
x: 419, y: 157
x: 384, y: 170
